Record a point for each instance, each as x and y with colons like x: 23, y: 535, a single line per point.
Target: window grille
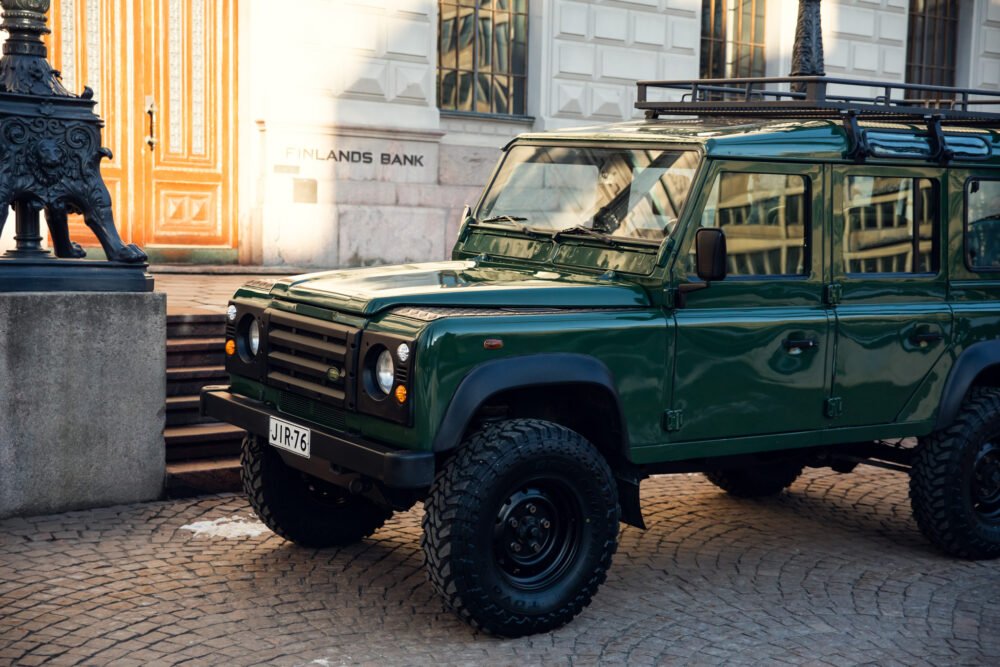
x: 931, y: 43
x: 732, y: 39
x: 483, y: 56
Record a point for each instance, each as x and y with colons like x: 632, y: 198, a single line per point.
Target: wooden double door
x: 163, y: 74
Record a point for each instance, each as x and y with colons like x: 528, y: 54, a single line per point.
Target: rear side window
x: 891, y: 225
x: 982, y: 225
x: 765, y: 218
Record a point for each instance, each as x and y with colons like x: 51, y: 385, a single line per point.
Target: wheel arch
x: 978, y: 365
x: 533, y: 372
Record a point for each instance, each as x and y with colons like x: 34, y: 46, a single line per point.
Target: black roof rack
x: 822, y: 97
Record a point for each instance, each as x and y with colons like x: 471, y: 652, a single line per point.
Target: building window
x: 483, y: 56
x: 732, y: 39
x: 930, y: 49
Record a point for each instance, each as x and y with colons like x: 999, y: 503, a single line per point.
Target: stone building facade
x: 342, y: 155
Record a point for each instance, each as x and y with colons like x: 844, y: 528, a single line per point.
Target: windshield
x: 625, y: 193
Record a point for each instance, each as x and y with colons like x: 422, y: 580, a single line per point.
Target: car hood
x: 460, y: 284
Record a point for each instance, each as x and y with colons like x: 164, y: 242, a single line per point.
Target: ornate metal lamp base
x: 50, y: 159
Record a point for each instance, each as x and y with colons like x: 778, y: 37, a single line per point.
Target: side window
x: 765, y: 218
x: 982, y: 225
x: 891, y: 225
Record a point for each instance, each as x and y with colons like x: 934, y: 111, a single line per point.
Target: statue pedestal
x: 48, y: 274
x: 82, y: 396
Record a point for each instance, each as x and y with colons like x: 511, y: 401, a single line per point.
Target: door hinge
x: 833, y: 407
x: 673, y: 420
x: 671, y: 298
x: 834, y: 292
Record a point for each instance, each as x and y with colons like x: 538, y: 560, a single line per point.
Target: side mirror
x: 710, y: 254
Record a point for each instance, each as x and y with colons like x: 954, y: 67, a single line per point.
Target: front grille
x: 302, y: 352
x: 297, y: 406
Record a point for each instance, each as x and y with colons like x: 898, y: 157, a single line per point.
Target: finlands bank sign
x: 354, y: 157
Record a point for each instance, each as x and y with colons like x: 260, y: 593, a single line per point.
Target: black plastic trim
x: 393, y: 467
x: 532, y: 370
x: 968, y: 366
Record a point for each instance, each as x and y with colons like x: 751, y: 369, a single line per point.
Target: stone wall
x: 81, y: 400
x: 981, y: 68
x: 594, y: 51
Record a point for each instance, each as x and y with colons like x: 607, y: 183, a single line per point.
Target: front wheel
x: 302, y: 508
x: 520, y: 527
x: 955, y: 481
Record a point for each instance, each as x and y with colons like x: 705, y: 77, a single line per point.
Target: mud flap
x: 628, y: 500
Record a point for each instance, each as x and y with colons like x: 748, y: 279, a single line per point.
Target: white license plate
x: 288, y: 436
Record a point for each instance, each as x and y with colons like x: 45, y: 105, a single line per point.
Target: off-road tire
x: 498, y: 474
x: 757, y: 481
x: 301, y: 508
x: 942, y: 479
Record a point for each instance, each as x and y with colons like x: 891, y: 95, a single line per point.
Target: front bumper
x: 393, y: 467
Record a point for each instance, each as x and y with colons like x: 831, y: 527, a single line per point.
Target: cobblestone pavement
x: 831, y: 572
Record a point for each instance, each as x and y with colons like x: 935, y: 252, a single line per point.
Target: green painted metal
x: 699, y: 373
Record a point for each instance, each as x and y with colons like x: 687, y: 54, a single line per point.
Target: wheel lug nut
x: 546, y: 523
x: 515, y: 547
x: 532, y: 509
x: 535, y: 546
x: 512, y: 523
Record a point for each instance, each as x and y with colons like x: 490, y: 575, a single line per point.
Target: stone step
x: 196, y: 326
x: 185, y: 410
x: 200, y: 441
x: 186, y: 352
x: 204, y: 476
x: 189, y: 380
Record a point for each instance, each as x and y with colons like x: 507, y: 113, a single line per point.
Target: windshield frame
x: 558, y: 236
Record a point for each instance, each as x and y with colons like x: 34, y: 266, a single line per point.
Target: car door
x: 752, y: 351
x: 893, y: 321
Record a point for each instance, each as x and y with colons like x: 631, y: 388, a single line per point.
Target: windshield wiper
x: 584, y: 231
x: 510, y: 219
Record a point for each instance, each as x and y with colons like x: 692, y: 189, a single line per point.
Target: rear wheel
x: 955, y: 481
x: 520, y: 527
x: 302, y: 508
x: 756, y: 481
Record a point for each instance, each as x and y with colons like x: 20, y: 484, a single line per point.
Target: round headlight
x: 403, y: 352
x: 253, y: 337
x: 231, y: 313
x: 384, y: 371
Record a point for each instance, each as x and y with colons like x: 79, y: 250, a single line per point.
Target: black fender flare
x: 537, y: 370
x: 973, y: 361
x: 531, y: 370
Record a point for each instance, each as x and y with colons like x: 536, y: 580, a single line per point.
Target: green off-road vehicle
x: 769, y: 280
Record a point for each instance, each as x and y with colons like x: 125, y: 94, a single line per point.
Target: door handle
x: 925, y: 338
x: 151, y: 112
x: 796, y: 345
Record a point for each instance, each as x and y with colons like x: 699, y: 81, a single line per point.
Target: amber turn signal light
x: 230, y: 347
x: 401, y: 394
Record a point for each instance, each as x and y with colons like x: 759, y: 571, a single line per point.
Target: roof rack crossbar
x: 820, y: 96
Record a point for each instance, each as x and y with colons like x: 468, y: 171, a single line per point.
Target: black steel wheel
x: 520, y: 527
x: 756, y: 481
x: 955, y: 481
x: 302, y: 508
